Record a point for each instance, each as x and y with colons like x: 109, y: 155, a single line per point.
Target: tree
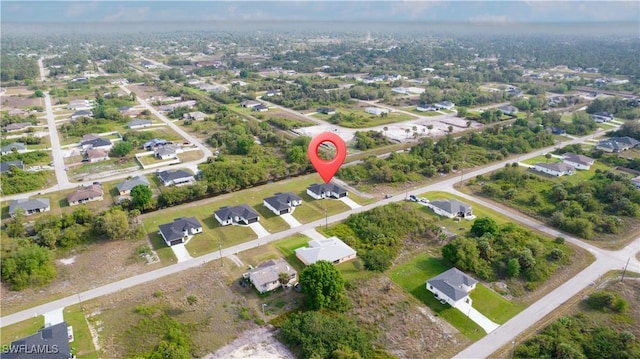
x: 323, y: 287
x: 513, y: 267
x: 376, y: 260
x: 141, y: 197
x: 38, y: 93
x: 28, y: 265
x: 484, y: 225
x: 547, y: 156
x: 192, y: 300
x: 15, y: 228
x: 121, y: 149
x: 283, y: 278
x: 450, y: 129
x: 114, y: 224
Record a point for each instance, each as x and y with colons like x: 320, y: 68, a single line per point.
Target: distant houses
x: 423, y: 107
x: 15, y: 127
x: 554, y: 169
x: 266, y: 276
x: 451, y: 208
x: 176, y: 178
x: 282, y: 203
x: 446, y: 105
x: 82, y: 113
x: 136, y: 124
x: 194, y: 116
x: 78, y: 105
x: 260, y: 108
x: 180, y: 230
x: 86, y: 194
x: 249, y: 104
x: 18, y: 147
x: 29, y: 206
x: 616, y: 144
x: 149, y: 145
x: 242, y: 214
x: 331, y: 249
x: 94, y: 141
x: 97, y: 155
x: 166, y: 152
x: 326, y: 110
x: 124, y: 188
x: 377, y: 111
x: 452, y: 287
x: 326, y: 190
x: 601, y: 117
x: 508, y: 110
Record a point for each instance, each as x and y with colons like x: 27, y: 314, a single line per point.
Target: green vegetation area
x: 604, y: 325
x: 494, y: 306
x: 18, y: 68
x: 427, y: 159
x: 599, y: 207
x: 285, y: 123
x: 363, y: 120
x: 370, y: 139
x: 82, y: 345
x: 19, y: 181
x: 29, y: 158
x: 21, y: 329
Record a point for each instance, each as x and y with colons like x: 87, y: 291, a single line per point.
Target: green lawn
x: 463, y: 225
x: 493, y: 305
x: 412, y: 276
x: 164, y: 252
x: 82, y: 345
x: 288, y: 246
x: 313, y: 209
x: 541, y: 159
x: 20, y: 330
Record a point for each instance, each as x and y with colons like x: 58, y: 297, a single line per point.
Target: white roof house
x: 376, y: 110
x: 331, y: 249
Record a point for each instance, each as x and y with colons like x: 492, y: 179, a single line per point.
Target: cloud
x: 490, y: 19
x: 76, y: 9
x: 127, y: 13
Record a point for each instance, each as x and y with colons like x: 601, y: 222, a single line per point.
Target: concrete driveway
x: 259, y: 229
x: 53, y: 317
x: 291, y: 221
x: 487, y: 324
x: 349, y: 202
x: 313, y: 234
x: 181, y: 252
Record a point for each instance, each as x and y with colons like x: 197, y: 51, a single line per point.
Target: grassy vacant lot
x: 413, y: 274
x: 20, y: 330
x: 190, y: 156
x: 82, y: 345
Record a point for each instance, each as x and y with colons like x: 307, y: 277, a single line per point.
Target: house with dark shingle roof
x: 17, y: 146
x: 6, y: 166
x: 452, y: 286
x: 29, y: 206
x: 242, y: 214
x: 282, y: 203
x: 554, y: 169
x: 451, y: 208
x: 181, y: 230
x: 125, y: 187
x: 580, y: 162
x: 14, y: 127
x: 265, y: 276
x: 99, y: 142
x: 165, y: 152
x: 51, y: 342
x: 616, y: 144
x: 176, y: 178
x: 326, y: 190
x: 82, y: 113
x: 141, y: 123
x: 331, y: 249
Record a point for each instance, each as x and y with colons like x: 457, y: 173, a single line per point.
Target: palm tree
x: 407, y: 131
x: 283, y: 278
x: 385, y: 129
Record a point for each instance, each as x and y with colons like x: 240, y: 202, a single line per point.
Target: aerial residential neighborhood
x: 160, y: 196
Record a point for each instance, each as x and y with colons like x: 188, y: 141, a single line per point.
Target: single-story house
x: 14, y: 127
x: 617, y: 144
x: 326, y: 190
x: 16, y: 146
x: 266, y: 276
x: 180, y: 230
x: 17, y: 112
x: 424, y: 107
x: 50, y: 342
x: 236, y: 214
x: 452, y: 286
x: 97, y: 155
x: 124, y: 188
x: 376, y: 111
x: 400, y: 90
x: 273, y: 93
x: 249, y: 104
x: 132, y: 125
x: 579, y: 162
x: 326, y: 110
x: 282, y: 203
x: 99, y: 142
x: 166, y: 151
x: 78, y: 105
x: 261, y: 108
x: 82, y: 113
x: 6, y: 166
x: 331, y: 249
x: 508, y: 110
x: 554, y: 169
x: 448, y: 105
x: 557, y: 130
x: 29, y: 206
x: 451, y: 208
x: 636, y: 181
x: 176, y: 178
x: 195, y: 116
x: 173, y: 106
x: 601, y: 117
x: 86, y: 194
x: 154, y: 143
x: 128, y: 111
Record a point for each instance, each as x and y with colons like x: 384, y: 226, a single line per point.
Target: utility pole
x: 624, y: 271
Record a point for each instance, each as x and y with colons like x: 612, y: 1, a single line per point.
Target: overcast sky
x: 496, y: 11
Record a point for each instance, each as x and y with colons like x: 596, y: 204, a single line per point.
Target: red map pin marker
x: 327, y: 169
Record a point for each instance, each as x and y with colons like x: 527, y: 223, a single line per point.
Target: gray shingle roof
x: 130, y: 183
x: 140, y: 122
x: 281, y: 201
x: 243, y: 210
x: 450, y: 283
x: 326, y: 187
x: 167, y: 176
x: 19, y: 146
x: 452, y: 206
x: 27, y: 204
x: 55, y: 336
x: 175, y: 229
x: 580, y: 159
x: 267, y: 272
x: 6, y: 166
x: 97, y: 142
x: 558, y: 167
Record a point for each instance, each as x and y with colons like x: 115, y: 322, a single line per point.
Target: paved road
x: 56, y: 150
x: 446, y: 185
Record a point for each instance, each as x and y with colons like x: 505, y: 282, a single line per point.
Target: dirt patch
x: 145, y: 92
x: 403, y: 326
x: 20, y: 102
x: 94, y: 265
x: 259, y: 343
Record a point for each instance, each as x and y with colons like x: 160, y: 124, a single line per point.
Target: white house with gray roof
x: 29, y: 206
x: 452, y: 287
x: 326, y: 190
x: 451, y: 208
x: 331, y: 249
x: 242, y: 214
x: 176, y: 178
x: 579, y: 162
x: 16, y: 146
x: 554, y: 169
x: 141, y: 123
x: 124, y: 188
x: 180, y: 230
x: 282, y: 203
x: 265, y: 277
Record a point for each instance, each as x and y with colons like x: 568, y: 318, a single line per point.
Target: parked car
x: 413, y: 198
x: 424, y: 200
